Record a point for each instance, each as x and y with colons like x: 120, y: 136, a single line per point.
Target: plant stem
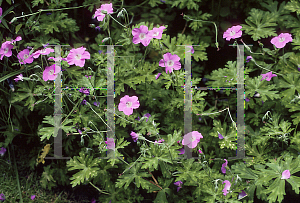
x: 99, y: 189
x: 17, y: 175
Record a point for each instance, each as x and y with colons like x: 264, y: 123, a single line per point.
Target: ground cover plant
x: 152, y: 41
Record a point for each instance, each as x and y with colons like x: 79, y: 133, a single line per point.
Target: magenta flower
x: 157, y: 32
x: 2, y: 151
x: 220, y: 136
x: 96, y: 104
x: 110, y: 143
x: 147, y: 115
x: 83, y: 102
x: 192, y: 139
x: 248, y: 58
x: 0, y: 13
x: 200, y: 151
x: 134, y: 136
x: 192, y: 49
x: 141, y: 35
x: 170, y: 62
x: 50, y: 72
x: 182, y: 151
x: 286, y: 174
x: 281, y: 40
x: 88, y: 76
x: 19, y: 77
x: 32, y: 197
x: 242, y: 195
x: 223, y: 169
x: 80, y: 132
x: 268, y: 76
x: 86, y: 91
x: 247, y: 100
x: 104, y: 7
x: 93, y: 200
x: 179, y: 184
x: 2, y: 197
x: 24, y: 57
x: 43, y: 52
x: 157, y: 76
x: 227, y: 187
x: 159, y: 141
x: 57, y: 59
x: 127, y: 104
x: 233, y: 32
x: 78, y: 56
x: 18, y: 38
x: 6, y: 49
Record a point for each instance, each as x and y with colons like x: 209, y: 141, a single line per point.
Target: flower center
x: 43, y: 51
x: 51, y: 72
x: 281, y: 39
x: 232, y: 33
x: 5, y: 50
x: 142, y: 36
x: 155, y: 34
x: 78, y: 57
x: 25, y: 56
x: 170, y: 63
x: 128, y: 104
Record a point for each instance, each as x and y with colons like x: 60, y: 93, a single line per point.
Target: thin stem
x: 17, y: 175
x: 217, y: 44
x: 42, y: 10
x: 99, y: 189
x: 117, y: 21
x: 97, y: 114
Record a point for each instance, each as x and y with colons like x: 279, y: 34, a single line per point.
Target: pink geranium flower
x: 268, y: 76
x: 233, y: 32
x: 78, y: 56
x: 6, y: 49
x: 179, y: 184
x: 220, y: 136
x: 43, y: 52
x: 24, y: 57
x: 0, y: 13
x: 281, y: 40
x: 134, y: 136
x: 227, y: 187
x: 192, y: 139
x: 2, y: 151
x: 286, y: 174
x: 85, y: 91
x: 18, y: 38
x: 127, y: 104
x: 141, y: 35
x: 182, y: 151
x: 170, y: 62
x: 157, y: 76
x: 19, y: 77
x: 200, y: 151
x: 32, y: 197
x: 157, y: 32
x: 192, y: 49
x: 2, y: 197
x: 104, y: 7
x: 223, y: 169
x: 110, y: 143
x: 57, y: 59
x: 50, y: 72
x: 159, y: 141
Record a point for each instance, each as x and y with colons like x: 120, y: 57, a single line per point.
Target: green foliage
x: 87, y: 166
x: 260, y: 24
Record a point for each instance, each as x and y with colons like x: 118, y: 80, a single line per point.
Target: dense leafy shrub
x: 150, y: 98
